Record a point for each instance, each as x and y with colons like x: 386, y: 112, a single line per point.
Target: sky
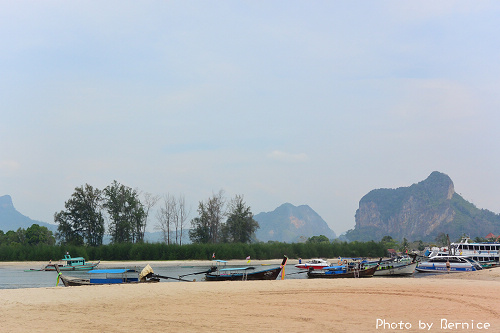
x: 304, y: 102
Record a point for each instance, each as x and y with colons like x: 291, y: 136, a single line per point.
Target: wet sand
x: 377, y: 304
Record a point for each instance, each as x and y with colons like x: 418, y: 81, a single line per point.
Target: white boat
x: 314, y: 264
x: 480, y: 252
x: 396, y: 268
x: 451, y: 264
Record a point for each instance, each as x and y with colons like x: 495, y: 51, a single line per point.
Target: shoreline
x: 165, y: 263
x: 293, y: 305
x: 289, y: 305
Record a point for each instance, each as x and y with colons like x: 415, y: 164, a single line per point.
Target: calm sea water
x: 13, y: 277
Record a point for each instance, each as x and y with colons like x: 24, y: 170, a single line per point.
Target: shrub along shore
x: 161, y: 251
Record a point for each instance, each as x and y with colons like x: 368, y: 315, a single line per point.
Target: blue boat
x: 109, y: 276
x: 448, y: 264
x: 352, y: 270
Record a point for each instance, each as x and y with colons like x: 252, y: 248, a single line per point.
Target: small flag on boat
x: 248, y: 259
x: 58, y: 275
x: 213, y: 255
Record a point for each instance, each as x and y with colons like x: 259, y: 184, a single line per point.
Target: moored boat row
x: 316, y: 268
x: 355, y: 270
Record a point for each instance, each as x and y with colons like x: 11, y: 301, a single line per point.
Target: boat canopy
x: 237, y: 269
x: 68, y: 258
x: 112, y: 271
x: 335, y: 267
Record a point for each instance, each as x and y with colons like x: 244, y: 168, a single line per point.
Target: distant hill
x: 421, y: 212
x: 11, y: 219
x: 289, y: 223
x: 286, y: 223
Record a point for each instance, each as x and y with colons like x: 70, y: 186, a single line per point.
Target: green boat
x: 69, y: 264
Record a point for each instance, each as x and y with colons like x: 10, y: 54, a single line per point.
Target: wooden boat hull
x: 363, y: 273
x: 306, y: 266
x: 71, y: 282
x: 86, y: 267
x: 268, y: 274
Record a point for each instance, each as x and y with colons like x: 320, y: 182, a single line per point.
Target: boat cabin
x: 77, y: 261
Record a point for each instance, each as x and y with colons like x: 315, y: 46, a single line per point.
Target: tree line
x: 83, y: 220
x: 32, y: 236
x: 219, y: 222
x: 194, y: 251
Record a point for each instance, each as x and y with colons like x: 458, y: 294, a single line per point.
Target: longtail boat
x: 221, y: 273
x: 69, y: 264
x: 109, y: 276
x: 343, y: 271
x: 396, y: 269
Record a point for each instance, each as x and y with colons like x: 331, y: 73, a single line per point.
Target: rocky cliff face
x: 420, y: 211
x: 11, y: 219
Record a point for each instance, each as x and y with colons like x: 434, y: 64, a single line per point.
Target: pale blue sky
x: 313, y: 102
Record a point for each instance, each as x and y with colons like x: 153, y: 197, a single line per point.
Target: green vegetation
x: 161, y: 251
x: 318, y: 239
x: 34, y: 235
x: 210, y: 226
x: 15, y: 246
x: 82, y: 222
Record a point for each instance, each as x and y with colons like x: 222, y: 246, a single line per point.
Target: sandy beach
x: 460, y: 302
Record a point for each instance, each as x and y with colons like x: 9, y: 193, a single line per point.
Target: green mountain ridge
x: 421, y: 212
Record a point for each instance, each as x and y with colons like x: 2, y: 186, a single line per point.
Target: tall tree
x: 182, y: 216
x: 240, y: 226
x: 39, y: 235
x: 207, y: 228
x: 166, y: 216
x: 126, y: 212
x: 171, y: 218
x: 82, y: 222
x: 13, y: 237
x: 150, y: 201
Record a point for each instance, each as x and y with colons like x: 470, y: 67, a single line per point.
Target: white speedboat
x: 314, y: 264
x: 451, y: 264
